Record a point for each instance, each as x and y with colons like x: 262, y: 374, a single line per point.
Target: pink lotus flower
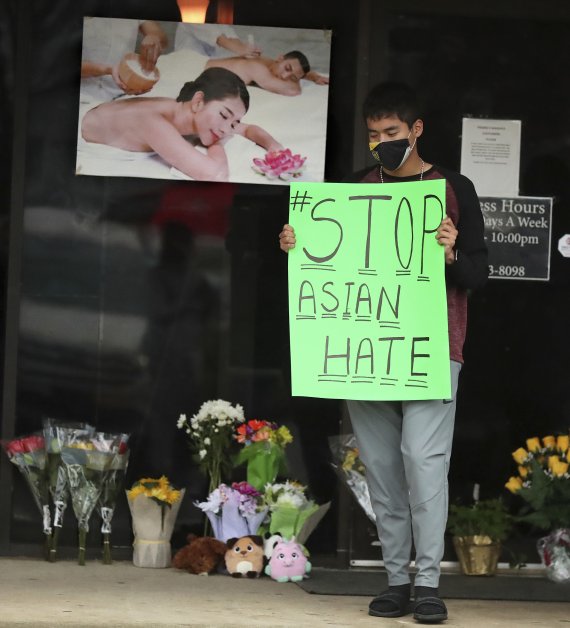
x: 280, y: 164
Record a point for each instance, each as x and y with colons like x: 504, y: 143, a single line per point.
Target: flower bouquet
x: 554, y: 551
x: 113, y: 482
x: 352, y: 471
x: 210, y: 434
x: 543, y: 482
x: 280, y: 164
x: 57, y: 474
x: 29, y: 455
x: 154, y: 505
x: 291, y: 513
x: 263, y: 450
x: 234, y: 511
x: 87, y: 463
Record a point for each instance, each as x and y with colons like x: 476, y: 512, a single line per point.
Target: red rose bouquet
x: 29, y: 455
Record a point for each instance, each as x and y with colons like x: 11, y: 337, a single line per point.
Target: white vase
x: 152, y: 527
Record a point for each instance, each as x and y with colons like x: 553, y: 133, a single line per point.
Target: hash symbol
x: 300, y: 200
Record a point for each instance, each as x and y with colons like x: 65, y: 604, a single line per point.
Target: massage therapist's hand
x: 150, y: 50
x: 121, y: 85
x: 446, y: 236
x: 287, y: 238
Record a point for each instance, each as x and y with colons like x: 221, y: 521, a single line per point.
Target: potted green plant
x: 478, y: 531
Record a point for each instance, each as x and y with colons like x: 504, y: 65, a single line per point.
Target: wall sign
x: 367, y: 301
x: 518, y: 233
x: 490, y: 155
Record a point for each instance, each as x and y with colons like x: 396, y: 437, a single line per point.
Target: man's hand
x: 287, y: 238
x: 446, y: 236
x: 317, y: 78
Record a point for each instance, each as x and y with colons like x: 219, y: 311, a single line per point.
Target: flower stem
x: 107, y: 560
x: 47, y: 547
x: 82, y: 540
x: 53, y: 546
x: 214, y: 471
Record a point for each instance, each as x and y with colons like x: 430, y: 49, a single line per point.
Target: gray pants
x: 406, y: 448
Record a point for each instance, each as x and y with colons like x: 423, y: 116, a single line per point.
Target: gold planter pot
x: 478, y: 555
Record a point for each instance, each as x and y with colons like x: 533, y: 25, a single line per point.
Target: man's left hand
x: 446, y: 236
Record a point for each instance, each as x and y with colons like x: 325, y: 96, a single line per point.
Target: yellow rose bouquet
x: 543, y: 481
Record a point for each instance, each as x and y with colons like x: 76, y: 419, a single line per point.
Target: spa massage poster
x: 280, y: 138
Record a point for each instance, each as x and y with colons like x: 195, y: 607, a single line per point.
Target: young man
x: 406, y: 445
x: 281, y: 75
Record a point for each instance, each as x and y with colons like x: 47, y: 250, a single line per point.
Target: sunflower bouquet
x: 154, y: 505
x: 159, y: 490
x: 263, y: 450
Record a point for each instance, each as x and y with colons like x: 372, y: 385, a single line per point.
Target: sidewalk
x: 39, y: 594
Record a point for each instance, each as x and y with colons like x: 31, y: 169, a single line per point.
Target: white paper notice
x: 490, y: 155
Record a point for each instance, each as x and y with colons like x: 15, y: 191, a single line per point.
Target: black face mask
x: 392, y: 154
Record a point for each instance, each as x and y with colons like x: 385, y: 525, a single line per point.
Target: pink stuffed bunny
x: 288, y: 562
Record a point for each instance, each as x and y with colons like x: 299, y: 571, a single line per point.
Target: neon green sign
x: 367, y: 301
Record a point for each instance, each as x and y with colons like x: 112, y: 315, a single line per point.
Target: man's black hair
x: 392, y: 99
x: 296, y: 54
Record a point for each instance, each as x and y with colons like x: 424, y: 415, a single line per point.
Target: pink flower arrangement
x: 280, y: 164
x: 234, y: 511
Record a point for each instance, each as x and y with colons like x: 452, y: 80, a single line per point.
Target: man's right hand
x: 287, y: 238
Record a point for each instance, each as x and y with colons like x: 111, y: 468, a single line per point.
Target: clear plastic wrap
x: 351, y: 470
x: 554, y: 552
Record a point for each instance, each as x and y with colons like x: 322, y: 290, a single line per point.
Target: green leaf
x: 488, y: 517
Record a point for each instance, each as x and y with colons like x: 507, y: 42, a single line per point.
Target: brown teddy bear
x: 244, y: 556
x: 201, y: 556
